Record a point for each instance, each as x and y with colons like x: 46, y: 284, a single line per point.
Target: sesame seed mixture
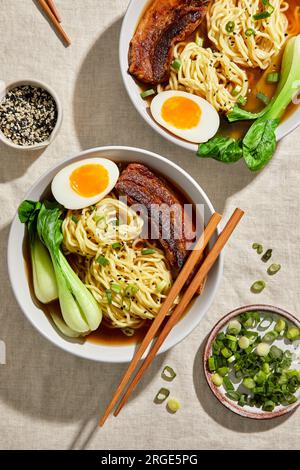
x: 28, y: 115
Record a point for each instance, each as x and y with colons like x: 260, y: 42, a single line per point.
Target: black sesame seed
x: 28, y: 115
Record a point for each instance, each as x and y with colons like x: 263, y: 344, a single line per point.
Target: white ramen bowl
x: 17, y: 264
x: 134, y: 12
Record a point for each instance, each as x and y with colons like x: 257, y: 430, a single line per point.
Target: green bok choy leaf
x: 259, y: 143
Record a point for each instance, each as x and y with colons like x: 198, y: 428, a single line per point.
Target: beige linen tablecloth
x: 50, y: 399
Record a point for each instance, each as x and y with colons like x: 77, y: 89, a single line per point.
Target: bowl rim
x: 39, y: 84
x: 226, y: 402
x: 10, y: 248
x: 286, y: 127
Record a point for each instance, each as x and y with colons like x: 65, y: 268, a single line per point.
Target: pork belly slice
x: 174, y: 228
x: 165, y: 23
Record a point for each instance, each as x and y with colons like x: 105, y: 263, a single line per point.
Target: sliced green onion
x: 280, y: 325
x: 223, y: 371
x: 148, y: 251
x: 147, y: 93
x: 273, y: 77
x: 258, y: 286
x: 226, y: 352
x: 293, y: 333
x: 168, y: 374
x: 267, y: 255
x: 258, y: 248
x: 230, y: 26
x: 235, y: 396
x: 116, y: 288
x: 260, y: 377
x: 173, y: 405
x: 262, y: 15
x: 231, y: 359
x: 276, y: 353
x: 250, y: 32
x: 161, y: 395
x: 74, y: 219
x: 243, y: 400
x: 102, y: 261
x: 212, y: 364
x: 249, y: 383
x: 263, y: 349
x: 116, y: 245
x: 176, y: 64
x: 270, y: 336
x: 269, y: 405
x: 266, y: 368
x: 262, y: 97
x: 227, y: 384
x: 108, y: 295
x: 131, y: 290
x: 242, y: 100
x: 237, y: 90
x: 231, y: 338
x: 244, y: 342
x: 217, y: 380
x: 234, y: 327
x: 273, y: 269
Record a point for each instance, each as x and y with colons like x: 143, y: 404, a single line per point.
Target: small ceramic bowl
x: 4, y: 88
x: 219, y: 392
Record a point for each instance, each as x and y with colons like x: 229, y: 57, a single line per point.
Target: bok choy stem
x: 79, y: 308
x: 44, y: 281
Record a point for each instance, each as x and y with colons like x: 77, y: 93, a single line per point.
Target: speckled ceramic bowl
x: 5, y: 87
x: 219, y: 392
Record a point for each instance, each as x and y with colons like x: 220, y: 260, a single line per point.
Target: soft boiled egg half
x: 84, y: 183
x: 188, y: 116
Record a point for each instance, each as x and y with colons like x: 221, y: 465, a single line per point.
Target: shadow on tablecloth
x: 45, y: 382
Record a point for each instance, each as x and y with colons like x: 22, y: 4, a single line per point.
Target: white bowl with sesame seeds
x: 30, y: 114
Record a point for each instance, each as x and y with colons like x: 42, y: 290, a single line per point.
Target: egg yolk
x: 181, y: 112
x: 89, y: 180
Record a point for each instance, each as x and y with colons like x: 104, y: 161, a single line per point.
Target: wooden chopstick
x: 47, y: 10
x: 54, y: 10
x: 176, y: 288
x: 187, y: 297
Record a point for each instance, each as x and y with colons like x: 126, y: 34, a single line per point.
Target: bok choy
x: 44, y: 281
x: 78, y: 306
x: 80, y: 311
x: 259, y: 144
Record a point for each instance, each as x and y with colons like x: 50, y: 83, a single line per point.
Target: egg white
x: 206, y: 128
x: 66, y: 196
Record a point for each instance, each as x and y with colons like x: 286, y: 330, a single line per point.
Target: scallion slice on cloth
x: 161, y: 395
x: 173, y: 405
x: 168, y: 373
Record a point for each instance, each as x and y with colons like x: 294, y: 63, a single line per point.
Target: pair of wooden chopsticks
x: 179, y: 310
x: 50, y: 9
